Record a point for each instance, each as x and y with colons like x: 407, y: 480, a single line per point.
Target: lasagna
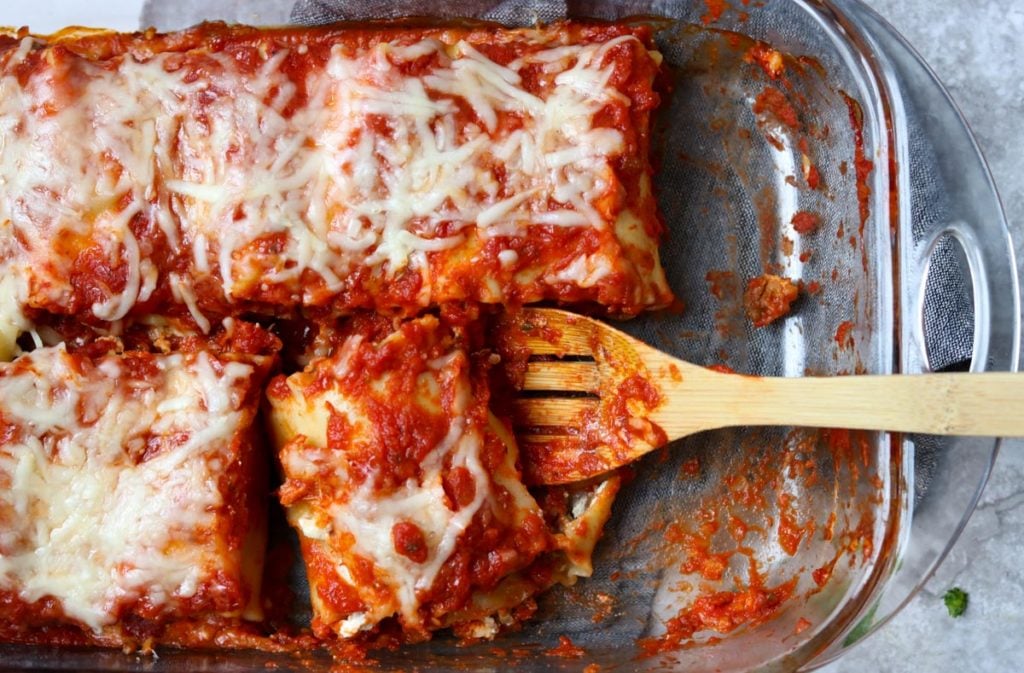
x: 403, y: 487
x: 131, y: 494
x: 321, y: 170
x: 371, y: 195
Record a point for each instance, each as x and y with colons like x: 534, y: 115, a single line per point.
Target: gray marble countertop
x: 977, y: 49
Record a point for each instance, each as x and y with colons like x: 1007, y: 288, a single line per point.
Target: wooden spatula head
x: 593, y: 399
x: 586, y: 398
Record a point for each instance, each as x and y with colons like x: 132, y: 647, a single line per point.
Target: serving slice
x: 594, y: 399
x: 132, y: 493
x: 405, y: 491
x: 402, y: 487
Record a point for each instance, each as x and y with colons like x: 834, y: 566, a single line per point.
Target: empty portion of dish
x: 131, y: 495
x: 229, y: 168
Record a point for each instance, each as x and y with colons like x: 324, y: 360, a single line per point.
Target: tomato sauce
x: 805, y: 222
x: 566, y: 649
x: 861, y: 164
x: 723, y: 283
x: 715, y: 10
x: 721, y: 611
x: 769, y: 59
x: 790, y: 531
x: 774, y: 102
x: 844, y: 334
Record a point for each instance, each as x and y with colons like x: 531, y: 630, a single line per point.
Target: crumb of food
x: 566, y: 649
x: 715, y: 10
x: 812, y: 176
x: 956, y: 601
x: 805, y: 222
x: 844, y: 334
x: 772, y: 101
x: 605, y: 605
x: 768, y: 298
x: 769, y: 59
x: 485, y: 629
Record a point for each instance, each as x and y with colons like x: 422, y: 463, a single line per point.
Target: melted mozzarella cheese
x: 87, y: 149
x: 85, y: 523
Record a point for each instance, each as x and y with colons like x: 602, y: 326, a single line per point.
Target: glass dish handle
x: 945, y: 476
x: 992, y: 273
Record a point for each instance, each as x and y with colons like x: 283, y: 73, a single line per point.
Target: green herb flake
x: 956, y: 601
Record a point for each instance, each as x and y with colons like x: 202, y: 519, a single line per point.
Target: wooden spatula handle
x: 989, y: 404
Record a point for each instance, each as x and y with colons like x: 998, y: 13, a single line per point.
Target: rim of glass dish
x: 882, y: 72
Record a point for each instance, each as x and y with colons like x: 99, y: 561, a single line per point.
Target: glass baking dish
x: 840, y: 530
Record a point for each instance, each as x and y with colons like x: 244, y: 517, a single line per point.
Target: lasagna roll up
x: 225, y: 169
x: 403, y: 488
x: 132, y: 495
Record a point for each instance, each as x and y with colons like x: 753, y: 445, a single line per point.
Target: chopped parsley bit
x: 956, y: 601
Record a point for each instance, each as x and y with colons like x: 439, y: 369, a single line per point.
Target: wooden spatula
x: 593, y: 399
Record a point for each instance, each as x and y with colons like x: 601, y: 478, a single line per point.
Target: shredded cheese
x: 85, y: 519
x: 376, y: 168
